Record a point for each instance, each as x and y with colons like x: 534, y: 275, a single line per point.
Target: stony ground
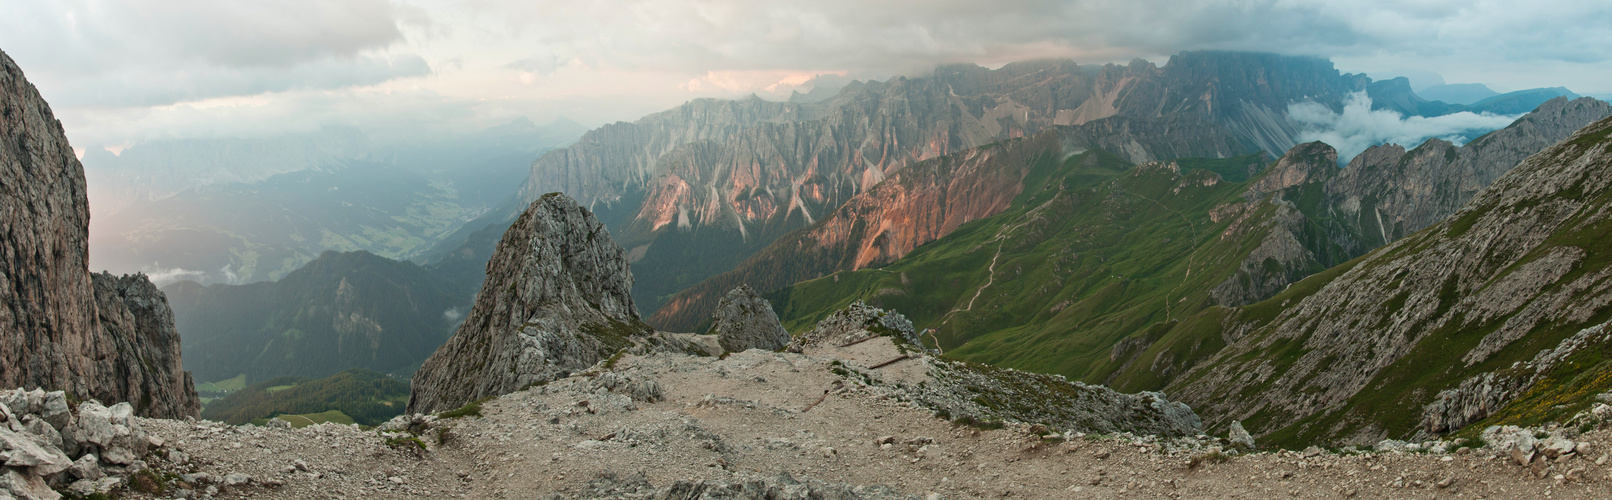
x: 763, y: 414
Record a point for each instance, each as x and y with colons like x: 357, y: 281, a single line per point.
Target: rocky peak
x: 743, y: 320
x: 557, y: 299
x: 1305, y: 163
x: 1390, y: 192
x: 61, y: 328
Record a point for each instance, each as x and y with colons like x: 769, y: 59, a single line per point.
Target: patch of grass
x: 235, y: 383
x: 471, y: 409
x: 1213, y: 456
x: 985, y: 425
x: 406, y: 443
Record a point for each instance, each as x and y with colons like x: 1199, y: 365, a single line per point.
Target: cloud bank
x: 1359, y: 127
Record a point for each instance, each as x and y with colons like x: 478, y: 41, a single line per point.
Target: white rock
x: 28, y: 450
x: 1239, y: 437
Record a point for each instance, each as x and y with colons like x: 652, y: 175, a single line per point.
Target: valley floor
x: 755, y: 415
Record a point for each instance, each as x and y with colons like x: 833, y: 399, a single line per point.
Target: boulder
x: 25, y: 450
x: 87, y: 467
x: 23, y: 486
x: 1239, y: 437
x: 743, y: 320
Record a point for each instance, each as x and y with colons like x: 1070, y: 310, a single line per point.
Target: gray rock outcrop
x: 743, y: 320
x: 1239, y: 436
x: 41, y: 445
x: 95, y: 336
x: 557, y: 300
x: 855, y: 322
x: 1481, y: 395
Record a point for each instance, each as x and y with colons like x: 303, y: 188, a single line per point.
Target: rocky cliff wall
x: 62, y: 328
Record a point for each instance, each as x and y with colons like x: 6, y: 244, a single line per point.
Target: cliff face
x: 557, y: 299
x: 94, y: 336
x: 1353, y: 354
x: 706, y: 185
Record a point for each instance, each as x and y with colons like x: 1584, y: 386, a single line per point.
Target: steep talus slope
x: 62, y: 328
x: 932, y: 198
x: 557, y: 299
x: 1355, y: 353
x: 343, y: 310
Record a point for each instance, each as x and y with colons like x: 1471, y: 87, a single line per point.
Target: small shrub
x: 984, y: 425
x: 472, y: 408
x: 406, y: 443
x: 611, y: 363
x: 1214, y: 456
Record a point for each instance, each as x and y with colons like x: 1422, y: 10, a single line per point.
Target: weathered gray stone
x: 25, y: 450
x: 87, y: 467
x: 87, y: 487
x: 55, y: 411
x: 1239, y: 437
x: 743, y: 320
x: 25, y: 486
x: 855, y: 322
x: 48, y: 434
x: 557, y: 300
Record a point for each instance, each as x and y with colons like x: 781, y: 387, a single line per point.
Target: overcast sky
x: 121, y: 71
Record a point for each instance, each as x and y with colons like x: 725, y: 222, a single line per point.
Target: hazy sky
x: 120, y: 71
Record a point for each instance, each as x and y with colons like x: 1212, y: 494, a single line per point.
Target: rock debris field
x: 760, y: 424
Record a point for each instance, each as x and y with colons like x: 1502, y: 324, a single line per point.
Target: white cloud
x: 1359, y: 127
x: 164, y: 276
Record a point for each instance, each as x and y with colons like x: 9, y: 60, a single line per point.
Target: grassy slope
x: 1090, y: 256
x: 361, y: 396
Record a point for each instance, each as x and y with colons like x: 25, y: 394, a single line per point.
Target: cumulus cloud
x: 1359, y: 127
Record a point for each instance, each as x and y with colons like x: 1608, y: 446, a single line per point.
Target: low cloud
x: 453, y: 315
x: 1359, y: 127
x: 164, y: 276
